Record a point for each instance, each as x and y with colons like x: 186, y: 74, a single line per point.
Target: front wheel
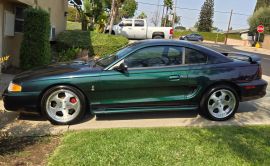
x: 220, y: 103
x: 63, y: 105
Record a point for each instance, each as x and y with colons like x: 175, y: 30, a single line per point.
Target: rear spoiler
x: 252, y: 58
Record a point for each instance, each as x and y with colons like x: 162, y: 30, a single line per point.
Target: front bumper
x: 21, y: 101
x: 257, y: 91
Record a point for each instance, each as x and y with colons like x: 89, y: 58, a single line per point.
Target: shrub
x: 98, y: 44
x: 66, y: 55
x: 35, y: 49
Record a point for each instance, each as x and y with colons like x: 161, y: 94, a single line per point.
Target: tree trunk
x: 166, y: 17
x: 112, y: 16
x: 162, y: 14
x: 84, y: 23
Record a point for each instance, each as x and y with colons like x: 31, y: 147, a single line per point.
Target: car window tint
x: 147, y: 57
x: 194, y: 57
x: 175, y: 55
x: 127, y: 23
x: 139, y: 23
x: 155, y: 56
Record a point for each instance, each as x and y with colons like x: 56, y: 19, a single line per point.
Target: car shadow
x: 148, y: 115
x: 243, y: 108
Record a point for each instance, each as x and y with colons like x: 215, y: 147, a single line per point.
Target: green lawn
x: 166, y: 146
x: 210, y: 36
x: 73, y: 25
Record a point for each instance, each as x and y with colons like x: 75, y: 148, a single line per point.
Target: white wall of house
x: 1, y: 30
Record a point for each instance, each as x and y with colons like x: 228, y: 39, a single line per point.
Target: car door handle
x: 174, y: 78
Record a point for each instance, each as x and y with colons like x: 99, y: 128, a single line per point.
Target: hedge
x: 98, y: 44
x: 35, y: 49
x: 210, y: 36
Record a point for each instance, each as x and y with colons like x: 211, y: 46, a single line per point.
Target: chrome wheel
x: 63, y: 105
x: 221, y: 103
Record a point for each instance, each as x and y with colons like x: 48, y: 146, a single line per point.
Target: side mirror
x: 123, y: 68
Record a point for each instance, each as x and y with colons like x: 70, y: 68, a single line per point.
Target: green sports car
x: 151, y: 75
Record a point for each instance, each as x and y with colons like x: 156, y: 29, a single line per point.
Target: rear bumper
x: 23, y: 101
x: 252, y: 90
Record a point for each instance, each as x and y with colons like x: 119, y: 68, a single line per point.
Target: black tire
x: 157, y: 37
x: 204, y: 110
x: 79, y: 95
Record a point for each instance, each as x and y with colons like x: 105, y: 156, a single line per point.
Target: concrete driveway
x: 250, y: 113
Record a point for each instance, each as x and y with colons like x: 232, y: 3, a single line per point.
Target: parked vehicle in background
x: 192, y: 37
x: 139, y: 29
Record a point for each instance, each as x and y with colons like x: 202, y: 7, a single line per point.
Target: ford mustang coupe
x: 151, y: 75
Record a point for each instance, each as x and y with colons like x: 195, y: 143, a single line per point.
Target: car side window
x: 127, y: 23
x: 194, y: 57
x: 139, y: 23
x: 155, y: 57
x: 175, y: 55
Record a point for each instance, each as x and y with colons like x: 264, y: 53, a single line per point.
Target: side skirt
x: 142, y: 109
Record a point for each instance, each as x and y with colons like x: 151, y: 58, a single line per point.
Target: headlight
x: 14, y: 87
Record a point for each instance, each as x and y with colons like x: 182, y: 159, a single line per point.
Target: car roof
x: 216, y: 56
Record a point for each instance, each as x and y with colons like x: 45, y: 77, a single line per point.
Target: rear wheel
x: 220, y: 103
x: 63, y: 105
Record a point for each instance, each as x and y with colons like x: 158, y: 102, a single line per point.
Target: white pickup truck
x: 139, y: 29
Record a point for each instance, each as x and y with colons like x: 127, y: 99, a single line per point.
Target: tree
x: 169, y: 5
x: 142, y: 16
x: 262, y: 3
x: 128, y: 9
x: 125, y: 7
x: 78, y: 5
x: 73, y: 15
x: 206, y: 16
x: 92, y: 9
x: 260, y: 17
x: 168, y: 23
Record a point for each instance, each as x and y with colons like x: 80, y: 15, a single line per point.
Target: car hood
x: 56, y: 71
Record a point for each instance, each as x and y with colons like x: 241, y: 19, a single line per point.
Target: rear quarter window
x: 194, y: 57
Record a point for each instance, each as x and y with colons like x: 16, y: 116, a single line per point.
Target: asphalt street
x: 226, y: 48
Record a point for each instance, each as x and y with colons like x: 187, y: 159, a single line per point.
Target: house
x: 11, y: 23
x: 244, y: 33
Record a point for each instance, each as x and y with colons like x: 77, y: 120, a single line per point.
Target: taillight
x: 260, y: 72
x: 171, y: 31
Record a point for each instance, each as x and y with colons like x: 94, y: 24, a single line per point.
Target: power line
x: 183, y: 8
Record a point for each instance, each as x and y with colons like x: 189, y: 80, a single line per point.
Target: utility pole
x: 229, y: 25
x: 174, y: 14
x: 112, y: 16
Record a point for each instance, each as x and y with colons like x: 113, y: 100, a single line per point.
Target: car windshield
x: 109, y: 59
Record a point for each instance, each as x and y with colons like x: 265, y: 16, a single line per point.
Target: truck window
x: 139, y: 23
x: 127, y: 23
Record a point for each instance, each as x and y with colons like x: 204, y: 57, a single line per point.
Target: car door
x: 126, y: 29
x: 155, y: 77
x: 197, y: 71
x: 139, y: 29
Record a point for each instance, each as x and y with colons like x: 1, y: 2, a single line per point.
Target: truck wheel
x: 157, y: 37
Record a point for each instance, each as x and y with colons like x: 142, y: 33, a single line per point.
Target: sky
x: 242, y: 9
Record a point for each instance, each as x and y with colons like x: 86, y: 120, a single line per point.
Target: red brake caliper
x: 73, y: 100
